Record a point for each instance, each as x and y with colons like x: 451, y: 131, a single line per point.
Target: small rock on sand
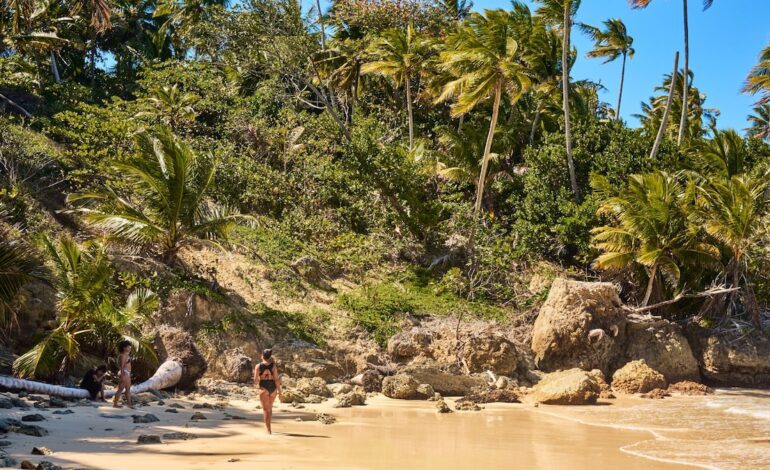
x: 7, y: 461
x: 45, y: 465
x: 5, y: 404
x: 147, y: 418
x: 112, y: 416
x: 179, y: 436
x: 235, y: 417
x: 63, y: 412
x: 442, y: 407
x: 56, y: 402
x: 197, y: 416
x: 27, y: 465
x: 148, y: 439
x: 5, y: 443
x: 41, y: 451
x: 467, y: 405
x: 324, y: 418
x: 207, y: 406
x: 177, y: 406
x: 171, y: 410
x: 33, y: 418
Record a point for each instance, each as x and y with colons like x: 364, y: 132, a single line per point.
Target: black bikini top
x: 266, y: 367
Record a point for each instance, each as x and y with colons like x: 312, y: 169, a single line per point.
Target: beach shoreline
x: 383, y: 434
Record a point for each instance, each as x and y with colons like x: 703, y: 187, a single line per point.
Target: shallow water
x: 727, y: 430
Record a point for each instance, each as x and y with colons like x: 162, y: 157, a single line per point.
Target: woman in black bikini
x: 266, y: 375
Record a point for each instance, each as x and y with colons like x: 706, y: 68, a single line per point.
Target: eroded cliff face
x: 742, y: 361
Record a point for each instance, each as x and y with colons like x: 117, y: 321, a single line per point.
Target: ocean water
x: 727, y: 430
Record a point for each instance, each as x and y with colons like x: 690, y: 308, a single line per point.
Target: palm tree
x: 758, y: 81
x: 610, y: 44
x: 561, y: 12
x: 167, y: 208
x: 171, y: 105
x: 760, y: 122
x: 484, y: 58
x: 17, y: 268
x: 685, y: 86
x: 543, y: 58
x: 89, y: 322
x: 398, y: 55
x: 733, y: 211
x: 651, y: 229
x: 723, y: 156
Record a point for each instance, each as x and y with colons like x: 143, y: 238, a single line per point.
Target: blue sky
x: 724, y: 44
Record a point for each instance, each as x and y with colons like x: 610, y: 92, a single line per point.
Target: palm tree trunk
x: 488, y: 148
x: 55, y: 69
x: 620, y: 93
x: 664, y: 121
x: 321, y: 24
x: 565, y: 92
x: 650, y: 285
x: 409, y: 111
x: 683, y: 120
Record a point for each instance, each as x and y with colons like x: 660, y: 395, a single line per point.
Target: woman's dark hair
x: 123, y: 345
x: 102, y: 368
x: 267, y: 354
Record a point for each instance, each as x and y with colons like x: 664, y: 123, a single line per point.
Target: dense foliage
x: 416, y: 137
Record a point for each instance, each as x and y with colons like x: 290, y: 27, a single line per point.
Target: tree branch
x: 708, y: 293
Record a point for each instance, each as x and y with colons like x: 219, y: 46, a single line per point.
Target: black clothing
x: 266, y: 377
x: 268, y: 385
x: 90, y: 383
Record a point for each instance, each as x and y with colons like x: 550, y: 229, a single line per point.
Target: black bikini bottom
x: 268, y: 385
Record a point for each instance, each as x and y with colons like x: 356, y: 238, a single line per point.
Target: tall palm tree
x: 561, y: 12
x: 760, y: 122
x: 609, y: 44
x: 167, y: 206
x: 685, y: 86
x: 398, y: 54
x: 723, y: 156
x: 485, y: 59
x: 543, y: 58
x: 758, y: 81
x: 650, y: 229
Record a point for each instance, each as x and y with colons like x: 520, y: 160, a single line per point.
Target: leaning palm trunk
x: 620, y: 93
x: 168, y: 374
x: 565, y: 92
x: 683, y: 120
x: 488, y: 149
x: 409, y: 112
x: 664, y: 121
x: 650, y: 285
x: 535, y: 122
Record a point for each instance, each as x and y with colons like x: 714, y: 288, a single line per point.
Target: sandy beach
x: 384, y: 434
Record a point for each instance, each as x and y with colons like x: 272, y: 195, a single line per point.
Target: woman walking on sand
x: 124, y: 377
x: 266, y: 376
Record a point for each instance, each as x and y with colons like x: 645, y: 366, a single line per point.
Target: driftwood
x: 15, y: 105
x: 708, y: 293
x: 168, y: 374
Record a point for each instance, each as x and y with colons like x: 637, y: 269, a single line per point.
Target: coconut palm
x: 543, y: 58
x: 650, y: 230
x: 561, y: 12
x: 733, y: 211
x: 485, y: 59
x: 171, y: 105
x: 609, y: 44
x: 398, y: 54
x: 758, y: 81
x: 17, y: 268
x: 723, y: 156
x: 760, y: 122
x: 167, y: 207
x: 90, y: 325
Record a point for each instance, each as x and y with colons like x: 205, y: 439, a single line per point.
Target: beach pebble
x: 22, y: 394
x: 177, y: 406
x: 6, y: 403
x: 41, y: 451
x: 33, y: 418
x: 197, y: 416
x: 148, y: 439
x: 26, y: 464
x: 5, y: 443
x: 63, y: 412
x: 171, y: 410
x: 235, y: 417
x: 7, y: 461
x: 324, y: 418
x: 442, y: 407
x: 56, y: 402
x: 40, y: 405
x: 112, y: 416
x: 45, y: 465
x: 178, y: 436
x: 147, y: 418
x: 199, y: 406
x: 233, y: 460
x: 299, y: 420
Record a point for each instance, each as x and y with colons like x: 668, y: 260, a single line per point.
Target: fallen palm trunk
x: 167, y: 375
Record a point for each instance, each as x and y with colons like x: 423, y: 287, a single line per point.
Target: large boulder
x: 236, y: 366
x: 581, y: 324
x: 492, y: 352
x: 174, y: 343
x: 566, y: 387
x: 662, y: 346
x: 409, y: 344
x: 302, y: 359
x: 741, y: 361
x: 637, y: 377
x: 405, y: 387
x: 445, y: 383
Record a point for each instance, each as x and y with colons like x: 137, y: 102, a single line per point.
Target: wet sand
x: 385, y: 434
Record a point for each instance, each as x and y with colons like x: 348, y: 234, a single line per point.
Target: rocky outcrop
x: 581, y: 324
x: 409, y: 344
x: 445, y: 383
x: 491, y: 352
x: 686, y: 387
x: 662, y: 346
x: 637, y: 377
x: 567, y: 387
x: 236, y: 366
x: 302, y: 359
x: 401, y: 387
x: 174, y: 343
x: 742, y: 362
